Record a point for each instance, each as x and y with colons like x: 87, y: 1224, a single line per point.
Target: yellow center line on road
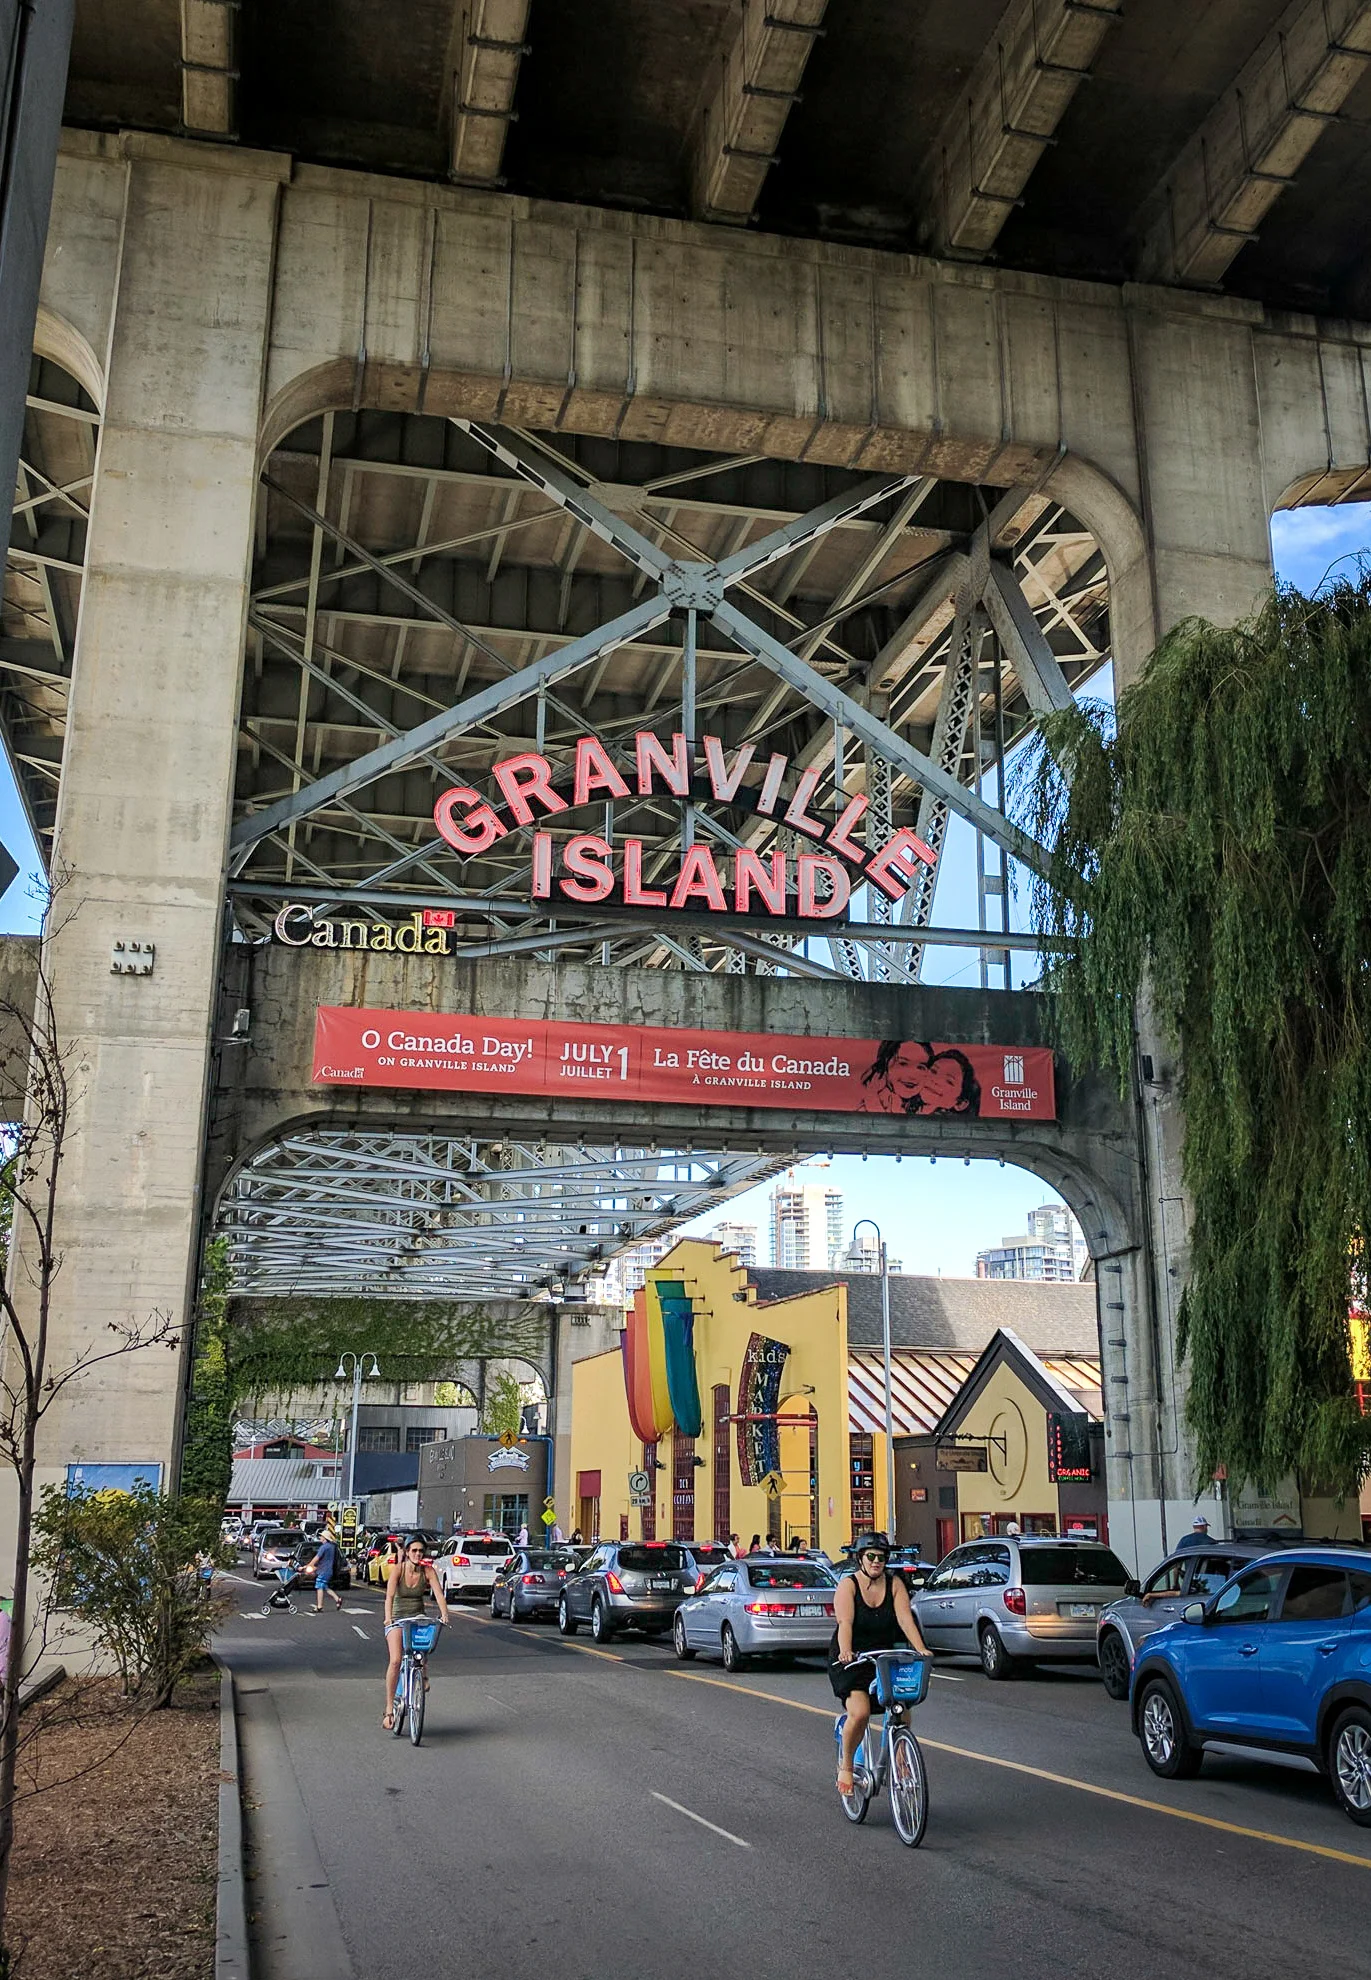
x: 1058, y: 1780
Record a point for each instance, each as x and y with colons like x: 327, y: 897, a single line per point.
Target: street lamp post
x: 885, y: 1351
x: 360, y: 1373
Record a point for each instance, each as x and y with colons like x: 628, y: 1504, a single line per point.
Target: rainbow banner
x: 658, y: 1347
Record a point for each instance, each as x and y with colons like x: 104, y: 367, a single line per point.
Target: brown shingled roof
x: 959, y: 1315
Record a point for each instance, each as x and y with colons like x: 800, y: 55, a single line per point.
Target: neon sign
x: 588, y: 869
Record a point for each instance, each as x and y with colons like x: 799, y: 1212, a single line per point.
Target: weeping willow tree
x: 1214, y: 856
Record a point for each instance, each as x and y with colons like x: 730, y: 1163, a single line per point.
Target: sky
x: 935, y: 1215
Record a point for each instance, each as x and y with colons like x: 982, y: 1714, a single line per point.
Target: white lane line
x: 252, y: 1615
x: 946, y: 1677
x: 360, y: 1632
x: 356, y: 1612
x: 666, y: 1800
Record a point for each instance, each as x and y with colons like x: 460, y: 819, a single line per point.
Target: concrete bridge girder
x: 212, y: 298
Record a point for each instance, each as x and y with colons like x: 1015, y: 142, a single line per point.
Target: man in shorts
x: 323, y: 1567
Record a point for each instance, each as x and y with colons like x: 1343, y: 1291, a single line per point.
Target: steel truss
x: 424, y: 1216
x: 707, y: 637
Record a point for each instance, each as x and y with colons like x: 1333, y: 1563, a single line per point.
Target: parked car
x: 626, y: 1584
x: 1014, y: 1601
x: 466, y: 1565
x: 766, y: 1605
x: 1125, y: 1625
x: 705, y: 1556
x: 529, y: 1582
x: 275, y: 1549
x: 1279, y: 1659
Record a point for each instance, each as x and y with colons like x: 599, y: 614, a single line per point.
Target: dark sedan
x: 529, y: 1583
x: 626, y: 1584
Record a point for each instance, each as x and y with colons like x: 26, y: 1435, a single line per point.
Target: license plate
x: 806, y: 1610
x: 1082, y: 1611
x: 661, y: 1581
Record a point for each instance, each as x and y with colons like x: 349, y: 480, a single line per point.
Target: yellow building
x: 773, y: 1456
x: 997, y: 1437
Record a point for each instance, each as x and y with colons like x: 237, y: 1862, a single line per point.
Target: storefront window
x: 862, y: 1460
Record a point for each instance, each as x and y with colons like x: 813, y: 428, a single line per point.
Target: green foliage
x: 124, y: 1563
x: 207, y: 1452
x: 280, y: 1344
x: 503, y: 1411
x: 1214, y: 857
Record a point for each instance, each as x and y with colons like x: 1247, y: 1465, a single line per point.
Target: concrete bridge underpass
x: 461, y: 1195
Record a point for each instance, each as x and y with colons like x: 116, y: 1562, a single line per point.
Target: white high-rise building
x: 626, y: 1273
x: 1053, y: 1247
x: 806, y: 1226
x: 740, y: 1239
x: 863, y: 1254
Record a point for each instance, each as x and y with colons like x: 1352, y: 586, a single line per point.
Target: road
x: 619, y: 1815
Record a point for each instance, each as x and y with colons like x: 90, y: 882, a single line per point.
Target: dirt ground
x: 116, y: 1859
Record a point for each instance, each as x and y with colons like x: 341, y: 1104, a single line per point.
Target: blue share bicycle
x: 418, y: 1636
x: 901, y: 1682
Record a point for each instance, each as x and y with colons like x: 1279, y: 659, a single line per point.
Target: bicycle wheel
x: 416, y: 1702
x: 908, y: 1787
x: 397, y: 1710
x: 856, y: 1805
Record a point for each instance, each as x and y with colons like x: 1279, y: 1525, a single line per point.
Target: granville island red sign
x: 586, y: 868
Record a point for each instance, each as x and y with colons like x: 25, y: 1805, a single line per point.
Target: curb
x: 231, y: 1916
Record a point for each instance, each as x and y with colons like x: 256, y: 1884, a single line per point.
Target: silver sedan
x: 765, y: 1605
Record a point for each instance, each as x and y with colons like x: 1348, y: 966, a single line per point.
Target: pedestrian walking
x: 521, y: 1537
x: 754, y: 1545
x: 323, y: 1567
x: 557, y: 1537
x: 735, y: 1546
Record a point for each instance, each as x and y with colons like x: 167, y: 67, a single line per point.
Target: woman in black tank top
x: 873, y: 1613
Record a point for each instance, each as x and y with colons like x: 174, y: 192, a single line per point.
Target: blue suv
x: 1279, y: 1658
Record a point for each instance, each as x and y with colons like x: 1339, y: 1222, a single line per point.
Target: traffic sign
x: 639, y: 1482
x: 772, y: 1484
x: 507, y: 1440
x: 549, y: 1518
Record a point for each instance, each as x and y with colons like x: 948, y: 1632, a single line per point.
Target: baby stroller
x: 289, y: 1578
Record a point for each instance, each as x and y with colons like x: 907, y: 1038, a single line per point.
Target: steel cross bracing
x: 823, y: 633
x: 335, y: 1210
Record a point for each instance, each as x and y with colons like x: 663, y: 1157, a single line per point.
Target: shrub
x: 124, y: 1563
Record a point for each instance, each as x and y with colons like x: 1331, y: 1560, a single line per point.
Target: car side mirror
x: 1132, y: 1587
x: 1193, y: 1612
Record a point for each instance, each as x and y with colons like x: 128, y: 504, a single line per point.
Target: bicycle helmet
x: 874, y: 1542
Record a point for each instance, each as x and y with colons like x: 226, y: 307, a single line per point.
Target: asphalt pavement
x: 618, y: 1815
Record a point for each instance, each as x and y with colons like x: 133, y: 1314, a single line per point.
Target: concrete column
x: 1201, y: 448
x: 148, y: 775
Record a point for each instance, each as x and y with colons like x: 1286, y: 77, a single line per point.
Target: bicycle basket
x: 905, y: 1683
x: 423, y: 1636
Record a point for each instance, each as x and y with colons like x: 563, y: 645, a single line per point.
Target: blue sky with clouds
x: 935, y: 1215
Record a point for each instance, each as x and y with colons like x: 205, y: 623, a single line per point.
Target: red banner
x: 703, y: 1068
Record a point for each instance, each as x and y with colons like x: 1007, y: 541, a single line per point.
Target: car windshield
x: 797, y: 1574
x: 546, y: 1560
x: 666, y: 1559
x: 485, y: 1550
x: 1044, y: 1567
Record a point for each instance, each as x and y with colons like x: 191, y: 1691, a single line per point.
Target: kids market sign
x: 587, y: 869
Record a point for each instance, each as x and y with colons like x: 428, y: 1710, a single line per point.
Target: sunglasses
x: 871, y: 1555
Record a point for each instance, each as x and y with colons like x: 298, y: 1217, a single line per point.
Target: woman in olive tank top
x: 872, y: 1612
x: 408, y: 1586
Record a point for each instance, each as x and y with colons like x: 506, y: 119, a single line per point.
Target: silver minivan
x: 1013, y: 1601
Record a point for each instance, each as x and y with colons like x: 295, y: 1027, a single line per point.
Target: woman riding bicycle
x: 872, y: 1612
x: 407, y: 1592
